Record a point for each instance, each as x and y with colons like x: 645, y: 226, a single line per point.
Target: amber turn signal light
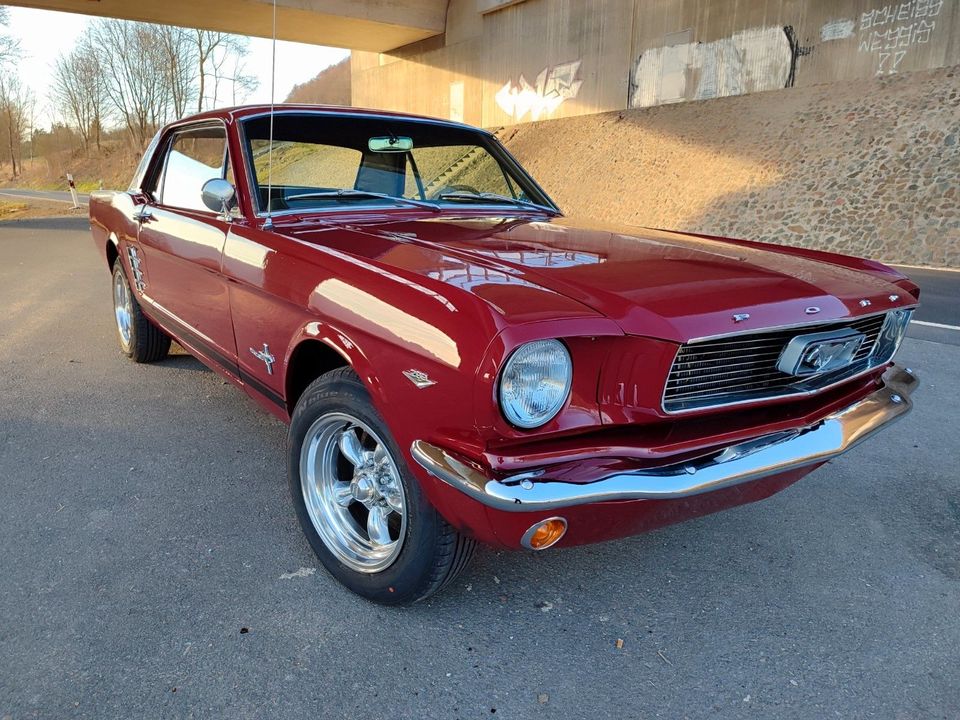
x: 544, y: 534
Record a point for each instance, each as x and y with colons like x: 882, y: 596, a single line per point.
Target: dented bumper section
x: 767, y: 455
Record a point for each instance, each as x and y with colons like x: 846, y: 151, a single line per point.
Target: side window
x: 194, y: 156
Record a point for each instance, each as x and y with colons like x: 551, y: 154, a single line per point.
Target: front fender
x: 410, y: 412
x: 338, y: 340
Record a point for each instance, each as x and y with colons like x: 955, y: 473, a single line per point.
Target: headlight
x: 891, y: 334
x: 535, y: 383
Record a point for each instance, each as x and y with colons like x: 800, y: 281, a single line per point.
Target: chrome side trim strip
x: 746, y: 461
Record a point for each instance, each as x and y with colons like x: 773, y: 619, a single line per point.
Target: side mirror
x: 218, y: 195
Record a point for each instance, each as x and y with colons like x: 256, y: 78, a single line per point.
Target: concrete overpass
x: 375, y: 25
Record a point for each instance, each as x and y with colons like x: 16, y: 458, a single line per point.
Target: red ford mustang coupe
x: 459, y: 362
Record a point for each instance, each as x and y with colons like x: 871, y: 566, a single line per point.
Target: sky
x: 44, y: 34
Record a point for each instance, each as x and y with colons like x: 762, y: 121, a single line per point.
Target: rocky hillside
x: 868, y: 168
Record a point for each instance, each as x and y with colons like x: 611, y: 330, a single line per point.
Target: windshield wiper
x: 345, y: 194
x: 489, y: 197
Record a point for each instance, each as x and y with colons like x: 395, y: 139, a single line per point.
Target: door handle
x: 143, y: 215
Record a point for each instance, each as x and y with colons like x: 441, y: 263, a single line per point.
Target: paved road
x: 145, y: 524
x: 45, y: 195
x: 938, y: 317
x: 940, y: 293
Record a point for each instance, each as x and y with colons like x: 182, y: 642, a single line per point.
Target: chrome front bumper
x: 750, y: 460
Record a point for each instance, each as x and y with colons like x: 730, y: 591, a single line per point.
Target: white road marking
x: 936, y: 325
x: 926, y: 267
x: 301, y: 573
x: 38, y: 197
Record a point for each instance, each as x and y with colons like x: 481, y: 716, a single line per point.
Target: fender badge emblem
x: 865, y: 303
x: 740, y: 317
x: 893, y: 298
x: 419, y: 378
x: 812, y: 310
x: 266, y: 357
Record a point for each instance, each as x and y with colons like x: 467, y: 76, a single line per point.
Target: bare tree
x: 242, y: 84
x: 178, y: 51
x: 16, y: 103
x: 78, y: 91
x: 9, y: 47
x: 146, y: 79
x: 219, y: 60
x: 140, y: 76
x: 207, y: 42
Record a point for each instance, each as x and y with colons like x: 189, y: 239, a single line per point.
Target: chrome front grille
x: 741, y: 368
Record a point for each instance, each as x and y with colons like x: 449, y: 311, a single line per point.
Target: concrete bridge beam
x: 375, y: 25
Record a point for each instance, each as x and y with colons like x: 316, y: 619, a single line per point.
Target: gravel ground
x: 152, y: 566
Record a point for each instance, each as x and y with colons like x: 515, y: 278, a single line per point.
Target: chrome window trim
x: 347, y: 114
x: 494, y: 210
x: 866, y: 370
x: 551, y: 209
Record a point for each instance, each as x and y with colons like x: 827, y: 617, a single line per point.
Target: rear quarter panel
x: 111, y: 219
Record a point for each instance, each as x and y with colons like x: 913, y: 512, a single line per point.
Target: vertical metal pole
x: 73, y: 192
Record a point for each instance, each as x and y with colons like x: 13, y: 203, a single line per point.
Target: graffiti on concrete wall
x: 751, y: 60
x: 890, y: 32
x: 837, y: 30
x: 553, y: 86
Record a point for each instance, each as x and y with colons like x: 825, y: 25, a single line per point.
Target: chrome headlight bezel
x: 514, y: 393
x: 891, y: 334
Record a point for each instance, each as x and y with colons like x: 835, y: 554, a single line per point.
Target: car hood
x: 654, y: 283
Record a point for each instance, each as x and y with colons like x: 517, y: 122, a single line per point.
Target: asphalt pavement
x: 44, y: 195
x: 152, y: 566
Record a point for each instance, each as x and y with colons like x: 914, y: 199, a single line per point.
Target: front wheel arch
x: 112, y: 251
x: 309, y: 360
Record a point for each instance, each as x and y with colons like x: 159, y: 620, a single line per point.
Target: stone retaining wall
x: 869, y: 168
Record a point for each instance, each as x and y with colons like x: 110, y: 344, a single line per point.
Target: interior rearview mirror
x: 390, y: 144
x: 218, y: 194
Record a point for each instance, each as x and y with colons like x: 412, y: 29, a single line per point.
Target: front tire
x: 140, y: 340
x: 359, y: 505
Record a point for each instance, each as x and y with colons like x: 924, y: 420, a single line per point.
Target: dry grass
x: 25, y: 209
x: 112, y: 168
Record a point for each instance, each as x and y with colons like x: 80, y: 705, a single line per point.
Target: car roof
x: 241, y: 112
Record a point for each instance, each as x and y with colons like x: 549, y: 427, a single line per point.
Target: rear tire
x: 140, y: 340
x: 359, y: 505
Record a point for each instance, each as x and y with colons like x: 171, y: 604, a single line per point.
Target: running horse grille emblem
x: 818, y: 353
x: 265, y: 357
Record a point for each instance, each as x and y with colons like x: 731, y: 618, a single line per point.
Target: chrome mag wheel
x: 122, y: 308
x: 353, y: 492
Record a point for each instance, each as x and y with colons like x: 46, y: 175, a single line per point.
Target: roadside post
x: 73, y: 192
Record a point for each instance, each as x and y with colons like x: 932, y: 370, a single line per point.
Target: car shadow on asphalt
x: 181, y: 359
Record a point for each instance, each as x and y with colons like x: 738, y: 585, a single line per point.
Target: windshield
x: 323, y: 161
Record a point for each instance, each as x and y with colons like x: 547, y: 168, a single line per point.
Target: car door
x: 182, y: 242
